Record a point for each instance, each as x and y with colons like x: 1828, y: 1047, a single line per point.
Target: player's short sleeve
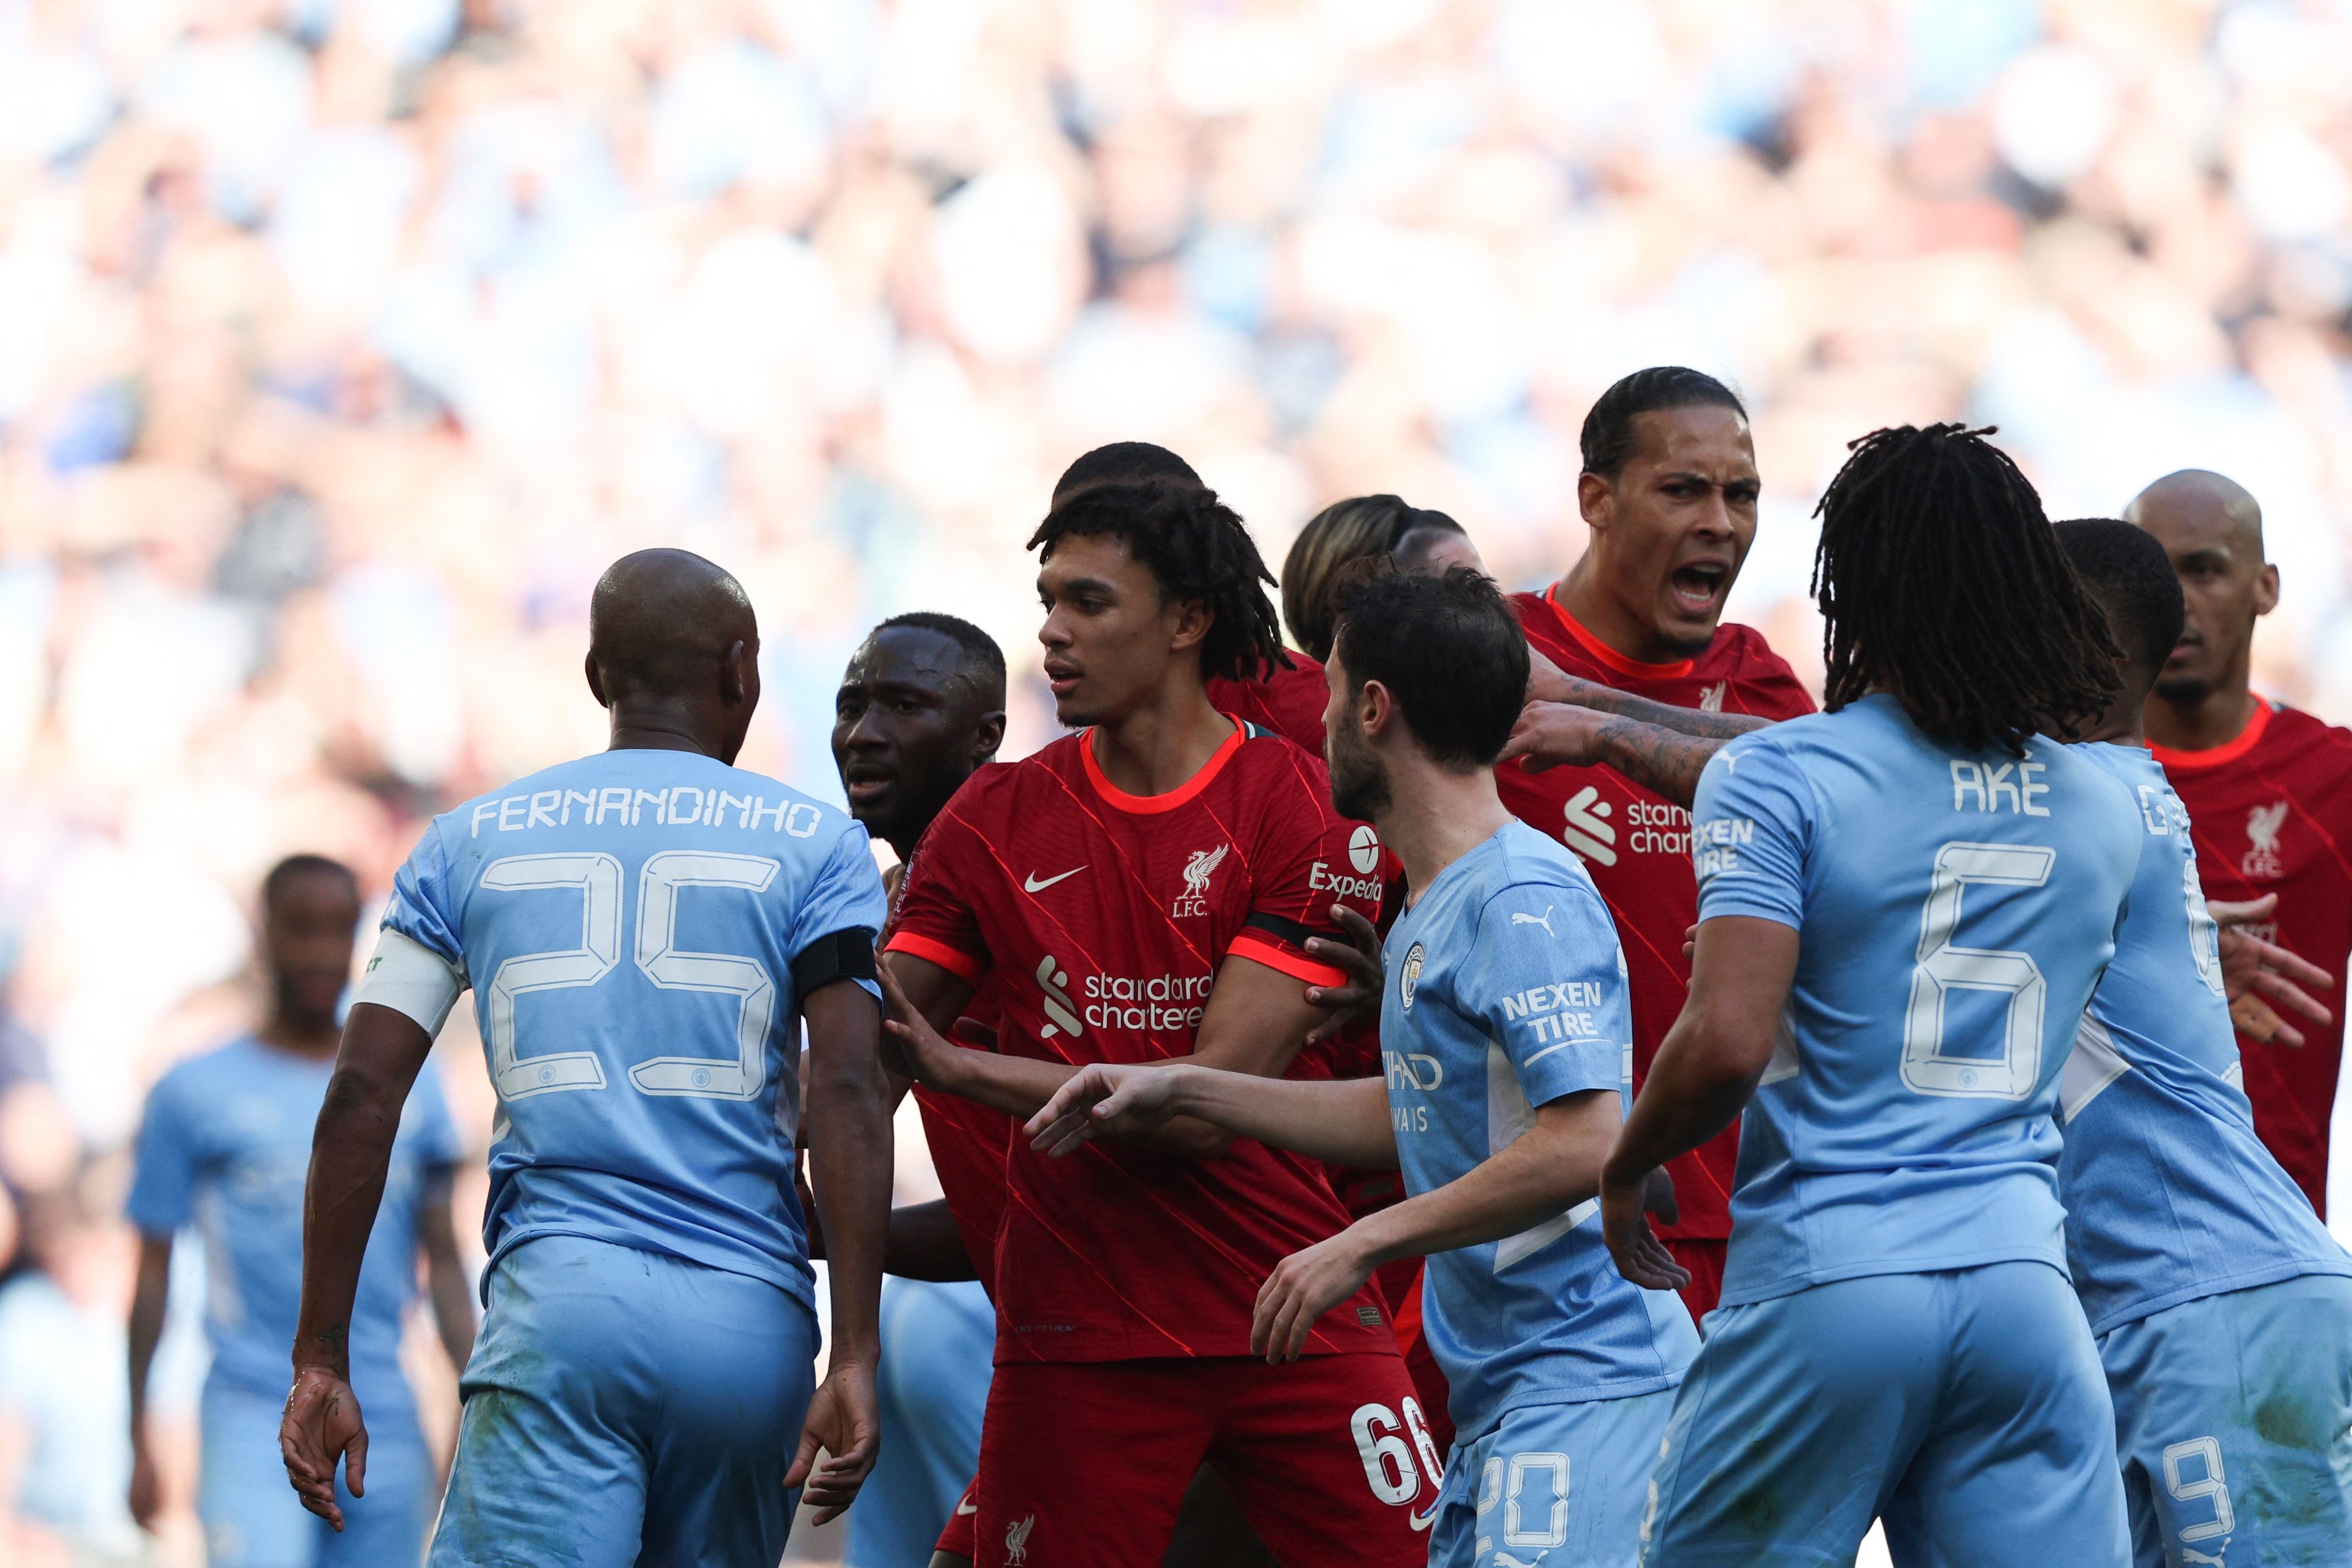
x: 1751, y: 828
x: 421, y: 908
x: 841, y: 913
x: 1543, y: 977
x: 936, y: 918
x: 1304, y: 858
x: 163, y: 1163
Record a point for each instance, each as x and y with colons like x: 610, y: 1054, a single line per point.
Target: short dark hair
x: 2132, y: 579
x: 1195, y: 548
x: 1940, y: 581
x: 1608, y: 436
x: 1448, y: 647
x: 983, y: 665
x: 1343, y: 531
x: 294, y: 867
x: 1123, y: 460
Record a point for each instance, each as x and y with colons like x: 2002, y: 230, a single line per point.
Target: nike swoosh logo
x: 965, y: 1507
x: 1423, y: 1520
x: 1032, y: 885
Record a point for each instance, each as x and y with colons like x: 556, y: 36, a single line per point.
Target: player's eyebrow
x: 1082, y: 585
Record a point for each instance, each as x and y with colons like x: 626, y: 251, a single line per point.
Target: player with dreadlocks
x: 1144, y: 890
x: 1926, y: 863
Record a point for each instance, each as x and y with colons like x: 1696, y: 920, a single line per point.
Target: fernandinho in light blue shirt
x: 225, y: 1143
x: 1953, y: 913
x: 1506, y: 992
x: 2169, y: 1195
x: 629, y: 924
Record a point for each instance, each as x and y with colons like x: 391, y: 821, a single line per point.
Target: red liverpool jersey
x: 1638, y: 847
x: 1096, y: 921
x: 968, y: 1141
x: 2272, y: 811
x: 1290, y: 702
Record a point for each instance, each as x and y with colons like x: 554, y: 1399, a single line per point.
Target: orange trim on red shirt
x: 955, y: 962
x: 1610, y: 655
x: 2227, y: 752
x: 1148, y: 804
x: 1258, y: 949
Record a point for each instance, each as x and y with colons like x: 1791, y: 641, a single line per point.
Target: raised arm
x: 1548, y: 684
x: 1346, y: 1121
x: 1704, y: 1070
x: 382, y: 1053
x: 848, y: 1123
x: 1661, y: 759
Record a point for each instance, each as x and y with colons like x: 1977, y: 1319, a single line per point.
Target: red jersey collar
x: 1610, y: 655
x: 1181, y: 795
x: 2228, y: 751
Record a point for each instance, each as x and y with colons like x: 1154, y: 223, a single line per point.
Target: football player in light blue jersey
x: 1905, y: 902
x: 644, y: 929
x: 2223, y: 1307
x: 223, y: 1146
x: 1506, y: 1036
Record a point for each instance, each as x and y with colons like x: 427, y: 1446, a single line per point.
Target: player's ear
x: 1375, y: 706
x: 1193, y: 620
x: 1596, y: 498
x: 2266, y: 589
x: 595, y: 681
x: 987, y: 735
x: 739, y: 673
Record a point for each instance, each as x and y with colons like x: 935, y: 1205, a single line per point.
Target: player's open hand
x: 844, y: 1420
x: 1554, y: 735
x: 2262, y: 978
x: 1104, y: 1100
x: 323, y: 1425
x: 1358, y: 957
x: 1302, y: 1287
x: 1640, y: 1256
x: 911, y: 1047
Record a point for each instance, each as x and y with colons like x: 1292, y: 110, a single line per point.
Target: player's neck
x: 1159, y: 744
x: 315, y: 1039
x: 649, y: 724
x: 1585, y: 595
x: 1436, y: 815
x: 2201, y: 723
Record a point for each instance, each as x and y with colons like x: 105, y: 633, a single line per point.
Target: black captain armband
x: 838, y: 955
x: 1296, y: 932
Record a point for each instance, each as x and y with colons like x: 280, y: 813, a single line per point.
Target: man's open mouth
x: 1700, y: 586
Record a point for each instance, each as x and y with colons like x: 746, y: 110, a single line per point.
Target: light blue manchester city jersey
x: 629, y: 924
x: 1954, y: 912
x: 2169, y: 1195
x: 1506, y: 991
x: 225, y: 1144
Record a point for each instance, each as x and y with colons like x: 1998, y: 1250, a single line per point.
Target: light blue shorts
x: 1966, y: 1407
x: 939, y: 1346
x: 627, y: 1407
x: 2233, y: 1418
x: 1559, y: 1485
x: 253, y: 1519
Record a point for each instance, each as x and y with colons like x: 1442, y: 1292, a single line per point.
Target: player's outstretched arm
x: 382, y: 1053
x: 2257, y: 974
x: 1346, y: 1122
x: 1544, y: 1173
x: 1655, y: 756
x: 1548, y: 683
x: 848, y: 1125
x: 923, y: 999
x: 1704, y: 1070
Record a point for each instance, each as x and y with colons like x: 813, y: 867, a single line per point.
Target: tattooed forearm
x: 1686, y: 721
x: 1659, y: 760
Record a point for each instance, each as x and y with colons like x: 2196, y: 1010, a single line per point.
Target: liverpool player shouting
x: 1142, y: 892
x: 1505, y: 1024
x: 1669, y: 492
x: 2269, y: 791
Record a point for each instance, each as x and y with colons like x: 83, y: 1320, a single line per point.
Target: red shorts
x: 1089, y: 1461
x: 958, y: 1538
x: 1703, y: 1255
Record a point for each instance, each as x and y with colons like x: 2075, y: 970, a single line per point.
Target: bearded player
x: 2269, y: 790
x: 1144, y: 890
x: 1669, y: 492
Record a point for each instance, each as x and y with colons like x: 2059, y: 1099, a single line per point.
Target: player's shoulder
x: 209, y: 1070
x: 1744, y: 654
x: 1519, y: 861
x: 2298, y: 735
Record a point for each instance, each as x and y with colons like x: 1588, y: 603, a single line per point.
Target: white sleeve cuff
x: 412, y: 979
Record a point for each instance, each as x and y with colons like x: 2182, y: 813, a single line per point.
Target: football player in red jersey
x: 1669, y: 492
x: 2269, y: 793
x: 1147, y: 890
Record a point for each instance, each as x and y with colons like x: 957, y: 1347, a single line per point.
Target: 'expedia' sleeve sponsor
x: 936, y: 920
x: 1751, y: 827
x: 1546, y: 979
x: 1307, y: 858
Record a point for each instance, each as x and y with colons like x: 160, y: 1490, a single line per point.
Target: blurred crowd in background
x: 344, y: 343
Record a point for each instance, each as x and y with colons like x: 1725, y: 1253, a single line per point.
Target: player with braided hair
x: 1904, y: 904
x: 1154, y: 887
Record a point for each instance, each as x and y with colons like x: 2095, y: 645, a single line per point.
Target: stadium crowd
x: 342, y: 343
